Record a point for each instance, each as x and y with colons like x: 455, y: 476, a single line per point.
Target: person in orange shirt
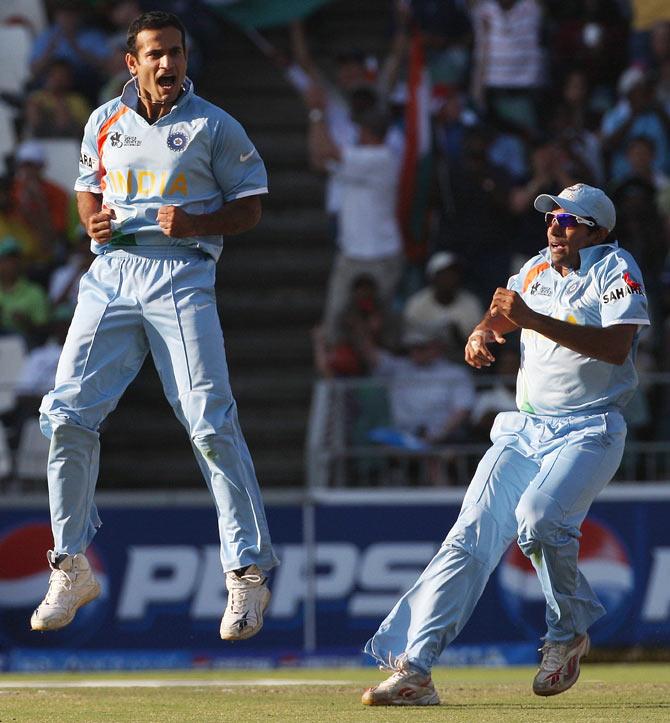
x: 41, y: 205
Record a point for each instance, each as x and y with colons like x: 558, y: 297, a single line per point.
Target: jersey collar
x: 588, y: 256
x: 130, y: 97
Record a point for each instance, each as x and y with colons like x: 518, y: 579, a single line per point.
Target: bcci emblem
x: 177, y: 141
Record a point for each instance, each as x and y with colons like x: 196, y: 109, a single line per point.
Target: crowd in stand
x: 528, y: 97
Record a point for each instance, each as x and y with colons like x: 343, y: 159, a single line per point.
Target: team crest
x: 177, y: 141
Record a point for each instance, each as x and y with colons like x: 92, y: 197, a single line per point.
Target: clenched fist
x: 510, y: 305
x: 99, y: 225
x: 175, y: 222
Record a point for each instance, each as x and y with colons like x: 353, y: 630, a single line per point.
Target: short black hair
x: 153, y: 20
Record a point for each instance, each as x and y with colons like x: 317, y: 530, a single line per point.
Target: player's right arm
x: 494, y: 326
x: 490, y: 329
x: 95, y: 219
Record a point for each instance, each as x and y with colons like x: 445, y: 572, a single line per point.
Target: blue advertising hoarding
x: 164, y: 592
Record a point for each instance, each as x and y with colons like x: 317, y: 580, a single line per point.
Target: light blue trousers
x: 534, y: 485
x: 131, y: 302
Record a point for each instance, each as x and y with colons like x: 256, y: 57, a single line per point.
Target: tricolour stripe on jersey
x: 533, y: 273
x: 102, y: 137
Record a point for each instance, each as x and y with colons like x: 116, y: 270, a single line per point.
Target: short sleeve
x: 89, y: 160
x: 533, y: 267
x: 513, y: 283
x: 623, y: 298
x: 237, y: 166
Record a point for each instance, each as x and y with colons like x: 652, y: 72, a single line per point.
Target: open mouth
x: 167, y: 82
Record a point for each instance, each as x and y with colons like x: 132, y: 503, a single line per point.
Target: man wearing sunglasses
x: 579, y: 303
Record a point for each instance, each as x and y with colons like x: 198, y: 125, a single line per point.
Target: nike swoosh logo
x: 246, y: 156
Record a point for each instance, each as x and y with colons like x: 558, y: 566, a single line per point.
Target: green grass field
x: 633, y: 692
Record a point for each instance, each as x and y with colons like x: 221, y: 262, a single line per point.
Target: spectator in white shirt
x: 509, y: 58
x: 368, y: 235
x: 430, y: 397
x: 444, y: 307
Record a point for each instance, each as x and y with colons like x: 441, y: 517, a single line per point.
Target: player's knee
x: 208, y: 446
x: 475, y: 532
x: 540, y: 522
x: 62, y: 423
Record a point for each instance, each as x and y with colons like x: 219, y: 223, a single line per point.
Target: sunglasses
x: 567, y: 220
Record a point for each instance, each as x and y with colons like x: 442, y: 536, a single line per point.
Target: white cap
x: 440, y: 260
x: 31, y: 152
x: 582, y: 200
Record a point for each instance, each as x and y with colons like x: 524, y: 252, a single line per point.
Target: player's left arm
x: 609, y: 344
x: 240, y: 174
x: 232, y: 218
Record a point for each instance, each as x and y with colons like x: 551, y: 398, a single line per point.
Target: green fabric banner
x: 265, y: 13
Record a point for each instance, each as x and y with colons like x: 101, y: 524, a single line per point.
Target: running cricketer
x: 579, y: 304
x: 163, y: 175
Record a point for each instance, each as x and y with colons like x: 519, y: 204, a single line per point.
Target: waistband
x: 156, y: 252
x: 576, y: 415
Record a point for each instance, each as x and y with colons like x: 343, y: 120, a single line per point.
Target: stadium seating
x: 62, y: 161
x: 15, y: 45
x: 33, y: 452
x: 30, y: 12
x: 5, y: 454
x: 12, y: 356
x: 7, y: 134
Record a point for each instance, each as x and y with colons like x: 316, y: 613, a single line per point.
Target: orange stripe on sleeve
x: 534, y: 273
x: 102, y: 137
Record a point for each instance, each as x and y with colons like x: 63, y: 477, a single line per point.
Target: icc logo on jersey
x: 118, y: 140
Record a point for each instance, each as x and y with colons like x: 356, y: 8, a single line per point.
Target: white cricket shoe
x: 559, y: 668
x: 71, y: 585
x: 404, y: 687
x: 248, y: 596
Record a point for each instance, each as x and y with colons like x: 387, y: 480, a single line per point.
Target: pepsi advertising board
x: 164, y: 591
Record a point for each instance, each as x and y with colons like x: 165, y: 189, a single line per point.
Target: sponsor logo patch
x: 88, y: 162
x: 629, y: 287
x: 631, y: 283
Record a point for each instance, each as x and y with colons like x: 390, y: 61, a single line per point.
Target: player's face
x: 160, y: 64
x: 565, y: 243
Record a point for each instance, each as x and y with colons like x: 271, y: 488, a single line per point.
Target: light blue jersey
x: 606, y: 290
x: 146, y: 292
x: 546, y: 465
x: 196, y: 157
